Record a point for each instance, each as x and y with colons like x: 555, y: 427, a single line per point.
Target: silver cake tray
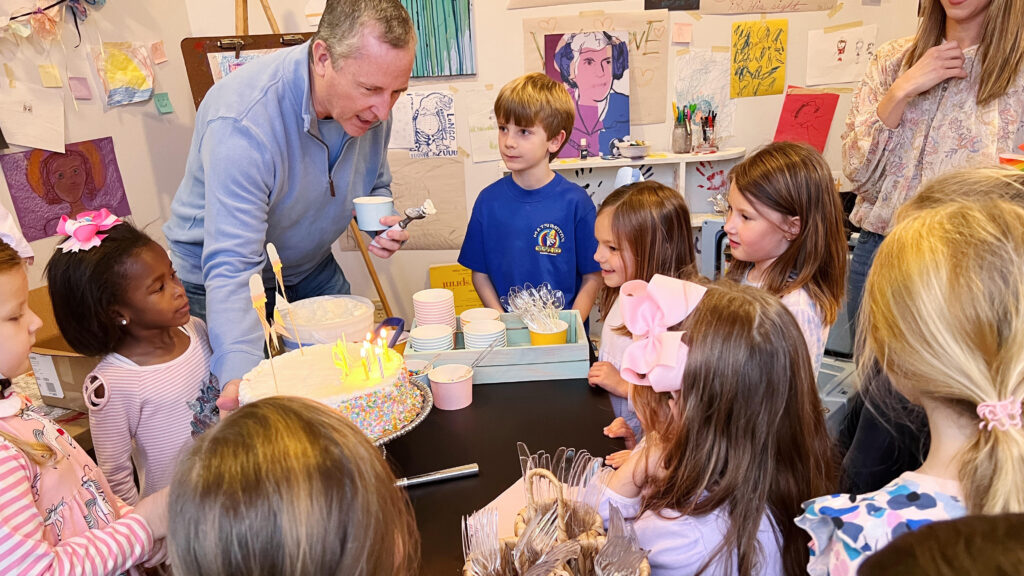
x: 428, y: 403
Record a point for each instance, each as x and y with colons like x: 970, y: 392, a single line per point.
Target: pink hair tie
x: 657, y: 356
x: 1003, y: 415
x: 85, y: 230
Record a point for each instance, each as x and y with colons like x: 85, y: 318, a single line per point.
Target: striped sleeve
x: 112, y: 428
x: 25, y: 552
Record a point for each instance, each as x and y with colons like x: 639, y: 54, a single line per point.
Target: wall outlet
x: 378, y: 312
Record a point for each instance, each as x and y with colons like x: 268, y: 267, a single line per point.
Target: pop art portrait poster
x: 47, y: 185
x: 594, y: 68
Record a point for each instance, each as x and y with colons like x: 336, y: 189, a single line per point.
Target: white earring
x: 124, y: 321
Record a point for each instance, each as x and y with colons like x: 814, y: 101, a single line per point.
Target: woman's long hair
x: 1002, y: 45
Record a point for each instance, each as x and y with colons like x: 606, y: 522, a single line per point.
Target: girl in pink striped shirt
x: 57, y: 512
x: 120, y: 298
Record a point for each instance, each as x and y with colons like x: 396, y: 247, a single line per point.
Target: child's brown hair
x: 794, y: 180
x: 534, y: 99
x: 289, y: 487
x: 651, y: 227
x: 747, y: 433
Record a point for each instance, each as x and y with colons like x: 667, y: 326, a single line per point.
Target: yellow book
x: 459, y: 280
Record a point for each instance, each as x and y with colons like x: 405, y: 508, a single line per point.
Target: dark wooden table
x: 544, y: 415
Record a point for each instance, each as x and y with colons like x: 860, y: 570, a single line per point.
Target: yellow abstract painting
x: 758, y: 58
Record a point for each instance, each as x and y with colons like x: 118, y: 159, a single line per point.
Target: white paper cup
x: 415, y: 368
x: 370, y: 209
x: 452, y: 386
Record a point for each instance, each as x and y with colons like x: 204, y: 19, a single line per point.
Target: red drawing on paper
x: 807, y: 118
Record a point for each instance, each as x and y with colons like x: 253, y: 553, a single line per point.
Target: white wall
x: 150, y: 148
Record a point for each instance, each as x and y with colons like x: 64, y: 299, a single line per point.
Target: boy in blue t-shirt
x: 533, y: 225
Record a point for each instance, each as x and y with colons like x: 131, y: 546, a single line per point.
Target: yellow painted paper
x: 758, y: 58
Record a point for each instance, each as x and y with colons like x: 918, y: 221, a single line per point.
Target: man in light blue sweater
x: 281, y: 148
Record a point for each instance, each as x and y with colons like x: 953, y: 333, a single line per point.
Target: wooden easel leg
x: 358, y: 235
x: 242, y: 17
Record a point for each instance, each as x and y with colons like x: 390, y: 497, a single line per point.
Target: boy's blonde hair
x: 794, y: 180
x: 944, y: 317
x: 535, y: 99
x: 287, y: 487
x: 966, y: 185
x: 39, y: 452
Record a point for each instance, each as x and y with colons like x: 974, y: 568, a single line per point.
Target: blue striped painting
x: 444, y: 29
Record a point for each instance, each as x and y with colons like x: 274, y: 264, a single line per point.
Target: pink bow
x: 84, y: 230
x: 657, y: 356
x: 1003, y: 415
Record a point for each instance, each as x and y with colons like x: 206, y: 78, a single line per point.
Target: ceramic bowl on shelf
x: 626, y: 150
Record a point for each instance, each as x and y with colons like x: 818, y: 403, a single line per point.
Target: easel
x: 195, y: 50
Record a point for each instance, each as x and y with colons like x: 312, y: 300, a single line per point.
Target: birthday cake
x: 372, y: 390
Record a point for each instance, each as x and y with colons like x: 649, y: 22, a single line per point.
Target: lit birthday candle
x: 362, y: 354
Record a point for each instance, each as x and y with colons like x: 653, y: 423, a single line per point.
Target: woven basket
x: 590, y: 523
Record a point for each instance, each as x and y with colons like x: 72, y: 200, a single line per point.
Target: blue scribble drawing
x: 433, y: 122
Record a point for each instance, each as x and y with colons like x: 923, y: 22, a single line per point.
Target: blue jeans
x: 327, y: 278
x: 860, y: 264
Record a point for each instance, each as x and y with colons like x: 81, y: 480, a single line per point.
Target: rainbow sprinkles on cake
x: 368, y: 383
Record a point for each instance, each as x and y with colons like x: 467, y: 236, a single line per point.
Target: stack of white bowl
x: 468, y: 316
x: 480, y: 333
x: 434, y: 306
x: 432, y: 338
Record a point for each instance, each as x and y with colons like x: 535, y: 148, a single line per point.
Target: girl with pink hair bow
x: 745, y: 441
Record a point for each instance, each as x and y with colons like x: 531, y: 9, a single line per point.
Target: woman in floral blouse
x: 950, y: 97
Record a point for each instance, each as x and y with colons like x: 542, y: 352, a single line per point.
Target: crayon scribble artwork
x: 758, y: 58
x: 444, y: 32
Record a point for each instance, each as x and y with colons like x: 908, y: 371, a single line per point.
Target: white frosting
x: 324, y: 311
x: 312, y: 374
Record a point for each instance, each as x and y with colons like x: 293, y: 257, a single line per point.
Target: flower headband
x: 657, y: 356
x: 84, y: 230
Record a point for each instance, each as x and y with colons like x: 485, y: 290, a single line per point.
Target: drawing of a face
x: 359, y: 91
x: 67, y: 176
x: 841, y: 46
x: 594, y: 74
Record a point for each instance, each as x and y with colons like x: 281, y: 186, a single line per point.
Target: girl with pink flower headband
x: 745, y: 443
x: 943, y: 317
x: 58, y: 513
x: 116, y: 295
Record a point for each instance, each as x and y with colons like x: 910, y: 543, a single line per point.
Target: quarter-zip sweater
x: 258, y: 171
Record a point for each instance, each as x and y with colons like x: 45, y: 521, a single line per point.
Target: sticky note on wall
x: 163, y: 103
x: 682, y: 32
x: 50, y: 76
x: 80, y: 88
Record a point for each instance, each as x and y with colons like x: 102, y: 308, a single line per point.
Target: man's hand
x: 389, y: 241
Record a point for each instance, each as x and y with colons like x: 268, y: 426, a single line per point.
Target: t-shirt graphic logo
x: 549, y: 239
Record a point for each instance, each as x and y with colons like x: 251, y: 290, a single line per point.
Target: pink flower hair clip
x: 84, y: 230
x: 657, y: 356
x: 1004, y: 414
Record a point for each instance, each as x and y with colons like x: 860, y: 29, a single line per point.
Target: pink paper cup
x: 452, y: 386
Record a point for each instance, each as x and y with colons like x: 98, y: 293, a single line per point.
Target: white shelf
x: 655, y: 158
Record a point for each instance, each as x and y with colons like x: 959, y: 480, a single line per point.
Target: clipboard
x: 196, y: 51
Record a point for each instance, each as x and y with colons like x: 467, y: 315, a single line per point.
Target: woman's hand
x: 938, y: 64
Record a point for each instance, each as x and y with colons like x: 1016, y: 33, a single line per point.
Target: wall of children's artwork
x: 100, y: 119
x: 676, y: 54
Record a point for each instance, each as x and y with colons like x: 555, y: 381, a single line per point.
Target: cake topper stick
x: 275, y: 263
x: 259, y: 303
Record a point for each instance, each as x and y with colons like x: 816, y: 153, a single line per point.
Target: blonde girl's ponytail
x: 945, y: 319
